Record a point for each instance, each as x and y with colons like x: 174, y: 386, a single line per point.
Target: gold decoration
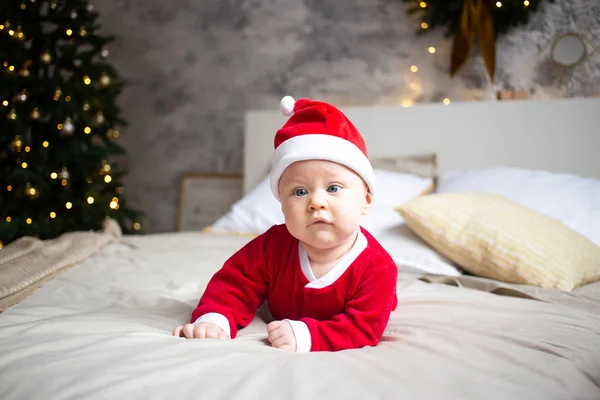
x: 104, y: 80
x: 35, y: 114
x: 476, y: 18
x: 68, y: 128
x: 99, y: 119
x: 46, y: 57
x: 16, y: 144
x: 64, y: 173
x: 31, y: 191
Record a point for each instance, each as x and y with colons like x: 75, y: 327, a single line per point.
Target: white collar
x: 337, y: 270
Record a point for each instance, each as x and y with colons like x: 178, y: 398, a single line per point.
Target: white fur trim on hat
x: 287, y: 105
x: 320, y: 147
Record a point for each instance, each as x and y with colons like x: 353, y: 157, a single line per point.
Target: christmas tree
x: 59, y: 121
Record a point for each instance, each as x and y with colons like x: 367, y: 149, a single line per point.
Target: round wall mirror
x: 568, y: 49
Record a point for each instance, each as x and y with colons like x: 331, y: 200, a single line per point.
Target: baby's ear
x: 368, y: 203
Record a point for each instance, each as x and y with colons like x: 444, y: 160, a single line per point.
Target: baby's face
x: 323, y: 202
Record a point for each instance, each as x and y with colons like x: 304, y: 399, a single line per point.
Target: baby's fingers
x: 212, y: 332
x: 177, y: 330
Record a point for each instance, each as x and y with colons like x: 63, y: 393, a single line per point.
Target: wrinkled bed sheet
x: 102, y: 330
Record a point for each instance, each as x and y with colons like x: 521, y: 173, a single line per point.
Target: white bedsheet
x: 102, y: 330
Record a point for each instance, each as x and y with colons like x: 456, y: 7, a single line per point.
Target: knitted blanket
x: 27, y: 263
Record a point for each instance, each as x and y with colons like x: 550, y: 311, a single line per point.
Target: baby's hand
x: 201, y: 330
x: 281, y: 335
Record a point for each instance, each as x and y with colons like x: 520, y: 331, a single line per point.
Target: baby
x: 328, y: 283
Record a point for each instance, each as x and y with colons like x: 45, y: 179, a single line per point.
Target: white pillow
x: 258, y: 210
x: 570, y: 199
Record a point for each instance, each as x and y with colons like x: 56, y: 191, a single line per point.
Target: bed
x: 94, y: 321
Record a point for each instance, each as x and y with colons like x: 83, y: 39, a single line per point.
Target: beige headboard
x: 557, y: 135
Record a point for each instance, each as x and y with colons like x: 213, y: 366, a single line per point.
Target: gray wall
x: 194, y: 67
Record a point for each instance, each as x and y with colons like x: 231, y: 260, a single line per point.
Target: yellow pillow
x: 493, y: 237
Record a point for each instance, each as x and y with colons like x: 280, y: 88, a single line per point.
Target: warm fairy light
x: 431, y: 49
x: 24, y: 165
x: 45, y: 144
x: 69, y: 32
x: 87, y: 80
x: 27, y: 149
x: 114, y: 205
x: 68, y: 99
x: 414, y: 68
x: 1, y: 27
x: 9, y: 188
x: 11, y: 68
x: 107, y: 179
x: 29, y: 221
x: 137, y: 226
x: 5, y: 103
x: 526, y: 3
x: 106, y: 167
x: 32, y: 191
x: 423, y: 4
x: 68, y: 205
x: 87, y: 130
x: 59, y: 126
x: 446, y: 101
x: 11, y: 32
x: 54, y: 175
x: 8, y: 219
x: 407, y: 103
x: 90, y: 200
x: 52, y: 214
x: 424, y: 25
x: 498, y: 4
x: 63, y: 182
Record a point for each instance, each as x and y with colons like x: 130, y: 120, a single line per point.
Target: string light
x: 90, y: 200
x: 5, y: 103
x: 9, y: 188
x: 446, y: 101
x: 1, y: 244
x: 424, y: 25
x: 27, y: 149
x: 407, y: 103
x: 63, y: 182
x: 68, y: 99
x: 29, y: 221
x: 87, y: 80
x: 68, y: 205
x: 431, y: 49
x: 107, y: 179
x: 114, y: 205
x: 69, y: 32
x: 8, y: 219
x: 11, y: 68
x: 137, y: 226
x: 87, y: 130
x: 11, y: 32
x: 498, y: 4
x: 526, y: 3
x: 52, y: 214
x: 54, y: 175
x: 45, y: 144
x: 414, y: 68
x: 423, y: 4
x: 24, y: 165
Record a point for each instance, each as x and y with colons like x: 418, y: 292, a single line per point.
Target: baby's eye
x: 300, y: 192
x: 333, y: 189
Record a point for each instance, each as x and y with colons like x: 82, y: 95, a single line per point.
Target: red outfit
x: 350, y: 312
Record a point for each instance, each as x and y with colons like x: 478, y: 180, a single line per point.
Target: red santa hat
x: 318, y: 131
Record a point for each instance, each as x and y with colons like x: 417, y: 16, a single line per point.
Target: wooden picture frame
x: 203, y: 198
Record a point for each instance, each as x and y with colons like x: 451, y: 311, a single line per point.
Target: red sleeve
x: 239, y: 287
x: 365, y: 317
